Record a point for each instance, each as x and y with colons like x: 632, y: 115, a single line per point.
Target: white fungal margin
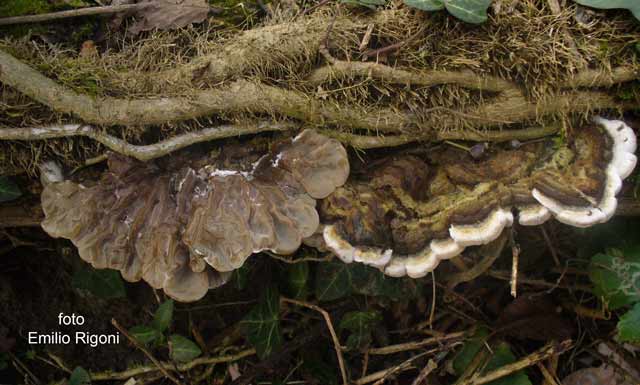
x: 348, y: 253
x: 484, y: 231
x: 623, y: 161
x: 487, y: 230
x: 50, y: 172
x: 533, y: 215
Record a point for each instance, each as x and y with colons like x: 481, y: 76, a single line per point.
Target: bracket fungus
x: 408, y: 215
x: 184, y: 229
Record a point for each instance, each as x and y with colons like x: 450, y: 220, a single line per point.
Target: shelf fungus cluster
x: 410, y: 213
x: 184, y: 229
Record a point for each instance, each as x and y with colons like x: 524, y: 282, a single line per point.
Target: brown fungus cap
x: 406, y: 214
x: 184, y: 229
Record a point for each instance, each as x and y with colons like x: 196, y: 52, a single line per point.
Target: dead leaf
x: 534, y: 317
x: 88, y: 49
x: 169, y: 14
x: 603, y: 375
x: 6, y: 343
x: 234, y: 371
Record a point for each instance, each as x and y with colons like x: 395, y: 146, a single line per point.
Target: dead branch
x: 542, y: 354
x: 125, y: 375
x: 89, y: 11
x: 391, y: 349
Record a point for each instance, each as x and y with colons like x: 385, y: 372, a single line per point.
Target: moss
x: 237, y: 12
x: 24, y: 7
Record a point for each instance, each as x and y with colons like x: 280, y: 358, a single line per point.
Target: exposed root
x: 339, y: 69
x: 142, y: 153
x: 266, y: 46
x: 249, y: 97
x: 165, y: 147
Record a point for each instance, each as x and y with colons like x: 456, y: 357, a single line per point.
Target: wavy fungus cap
x: 410, y: 214
x: 184, y: 230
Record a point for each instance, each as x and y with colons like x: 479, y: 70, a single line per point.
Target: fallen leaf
x: 603, y: 375
x: 234, y: 371
x: 169, y: 14
x: 88, y: 49
x: 534, y: 317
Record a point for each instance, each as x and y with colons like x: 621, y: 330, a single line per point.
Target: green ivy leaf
x: 8, y: 190
x: 360, y: 324
x: 298, y: 279
x: 616, y: 276
x: 629, y: 325
x: 471, y: 11
x: 426, y: 5
x: 79, y: 376
x: 145, y: 335
x: 183, y: 349
x: 262, y: 324
x: 240, y: 277
x: 371, y: 4
x: 333, y: 281
x: 469, y: 350
x: 4, y: 361
x: 502, y: 356
x: 103, y: 283
x: 163, y: 316
x: 631, y: 5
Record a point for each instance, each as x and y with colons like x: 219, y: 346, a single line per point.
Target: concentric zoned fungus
x: 185, y: 229
x: 411, y: 214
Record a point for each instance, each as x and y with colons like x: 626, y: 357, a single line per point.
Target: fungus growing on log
x: 411, y: 214
x: 184, y: 229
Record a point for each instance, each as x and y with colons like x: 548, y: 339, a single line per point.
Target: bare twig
x: 90, y: 11
x: 23, y: 368
x: 393, y: 47
x: 384, y: 373
x: 139, y: 370
x: 135, y: 342
x: 506, y: 276
x: 334, y: 336
x: 542, y: 354
x: 308, y: 10
x: 552, y: 249
x: 548, y: 377
x: 380, y: 376
x: 515, y: 254
x: 424, y: 373
x: 366, y: 38
x: 392, y: 349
